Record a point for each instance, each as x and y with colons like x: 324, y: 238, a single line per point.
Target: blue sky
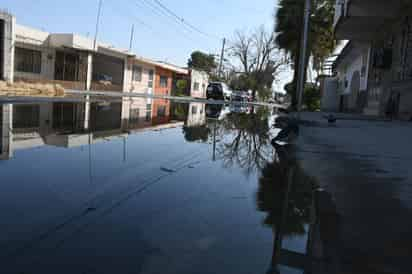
x: 156, y: 35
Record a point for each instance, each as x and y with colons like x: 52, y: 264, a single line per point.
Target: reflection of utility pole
x: 124, y: 150
x: 303, y: 53
x: 222, y: 55
x: 90, y: 158
x: 214, y: 143
x: 277, y: 246
x: 97, y: 24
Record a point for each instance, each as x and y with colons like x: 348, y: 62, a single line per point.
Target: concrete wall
x: 354, y: 63
x: 330, y: 96
x: 202, y: 78
x: 8, y: 46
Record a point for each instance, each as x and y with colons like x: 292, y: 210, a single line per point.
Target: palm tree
x: 289, y: 22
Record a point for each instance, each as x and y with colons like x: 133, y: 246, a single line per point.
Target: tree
x: 181, y: 87
x: 202, y: 61
x: 321, y: 43
x: 311, y: 97
x: 196, y: 134
x: 259, y: 58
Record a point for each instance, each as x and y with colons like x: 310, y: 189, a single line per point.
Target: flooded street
x: 148, y: 186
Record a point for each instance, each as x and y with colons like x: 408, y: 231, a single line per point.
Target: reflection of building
x: 6, y: 137
x: 25, y: 126
x: 160, y: 111
x: 196, y: 115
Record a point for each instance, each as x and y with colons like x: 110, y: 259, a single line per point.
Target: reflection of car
x: 213, y: 111
x: 240, y: 108
x: 240, y: 96
x: 218, y: 91
x: 217, y: 111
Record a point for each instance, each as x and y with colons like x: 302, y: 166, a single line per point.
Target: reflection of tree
x: 245, y: 140
x: 198, y: 133
x: 285, y: 193
x: 179, y: 111
x: 273, y: 185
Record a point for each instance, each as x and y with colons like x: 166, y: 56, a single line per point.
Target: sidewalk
x: 367, y: 167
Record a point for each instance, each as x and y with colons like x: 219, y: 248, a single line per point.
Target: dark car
x: 218, y: 91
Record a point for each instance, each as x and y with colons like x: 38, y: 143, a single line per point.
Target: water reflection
x: 25, y: 126
x: 239, y: 138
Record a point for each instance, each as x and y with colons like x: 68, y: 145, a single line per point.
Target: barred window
x: 27, y: 60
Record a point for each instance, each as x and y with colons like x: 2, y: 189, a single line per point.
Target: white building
x: 71, y: 60
x: 387, y: 27
x: 199, y: 82
x: 351, y: 76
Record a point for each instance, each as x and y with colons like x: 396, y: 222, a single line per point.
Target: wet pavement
x: 149, y: 186
x: 366, y: 167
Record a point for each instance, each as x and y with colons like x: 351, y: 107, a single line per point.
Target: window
x: 148, y: 112
x: 161, y: 111
x: 137, y: 73
x: 151, y: 77
x: 196, y: 86
x: 163, y: 81
x: 194, y: 109
x: 66, y: 66
x: 27, y: 60
x: 203, y: 87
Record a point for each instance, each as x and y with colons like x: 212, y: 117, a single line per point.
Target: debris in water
x: 169, y: 170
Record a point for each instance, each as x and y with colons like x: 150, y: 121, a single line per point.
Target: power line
x: 183, y: 21
x: 164, y: 14
x: 161, y: 13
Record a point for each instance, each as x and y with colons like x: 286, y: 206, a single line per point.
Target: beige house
x: 140, y: 75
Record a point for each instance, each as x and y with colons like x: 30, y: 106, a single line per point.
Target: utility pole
x: 222, y: 55
x: 131, y: 38
x: 303, y: 53
x: 97, y: 24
